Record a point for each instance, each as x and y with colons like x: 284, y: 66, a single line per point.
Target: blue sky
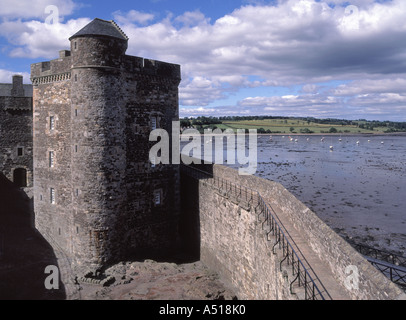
x: 332, y: 58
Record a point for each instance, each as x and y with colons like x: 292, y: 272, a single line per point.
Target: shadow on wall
x: 24, y: 253
x: 189, y: 226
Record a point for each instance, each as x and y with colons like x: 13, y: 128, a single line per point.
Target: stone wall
x: 231, y: 241
x: 16, y: 132
x: 328, y: 245
x: 52, y: 101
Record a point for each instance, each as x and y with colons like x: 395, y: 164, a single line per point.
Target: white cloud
x: 6, y: 76
x: 25, y: 9
x: 133, y: 16
x: 192, y: 18
x: 366, y: 86
x: 293, y: 42
x: 35, y: 39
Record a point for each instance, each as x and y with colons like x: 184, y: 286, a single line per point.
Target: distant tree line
x: 211, y: 122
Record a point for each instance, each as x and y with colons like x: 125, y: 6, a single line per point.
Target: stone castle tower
x: 16, y: 132
x: 96, y: 194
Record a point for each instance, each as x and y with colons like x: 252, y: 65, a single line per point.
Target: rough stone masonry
x: 16, y: 132
x: 97, y: 196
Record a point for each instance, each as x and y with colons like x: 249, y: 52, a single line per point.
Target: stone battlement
x: 60, y: 69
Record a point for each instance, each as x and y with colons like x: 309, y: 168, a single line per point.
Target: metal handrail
x: 393, y: 273
x: 383, y: 255
x: 301, y: 269
x: 392, y: 265
x: 293, y: 256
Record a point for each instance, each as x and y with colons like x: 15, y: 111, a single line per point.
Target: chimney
x: 18, y: 89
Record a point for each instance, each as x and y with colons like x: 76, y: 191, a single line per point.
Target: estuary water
x: 355, y: 183
x: 357, y: 187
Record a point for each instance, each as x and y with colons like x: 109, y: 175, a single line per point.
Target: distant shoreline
x: 317, y: 134
x: 334, y: 134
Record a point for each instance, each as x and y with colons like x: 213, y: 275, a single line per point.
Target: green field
x: 286, y: 126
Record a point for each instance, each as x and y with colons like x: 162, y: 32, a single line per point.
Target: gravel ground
x: 151, y: 280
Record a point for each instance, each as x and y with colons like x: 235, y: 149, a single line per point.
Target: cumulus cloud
x: 7, y: 75
x: 133, y: 16
x: 36, y: 39
x: 294, y: 42
x: 25, y: 9
x: 286, y: 43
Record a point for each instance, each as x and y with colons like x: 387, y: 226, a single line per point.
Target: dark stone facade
x: 96, y: 193
x: 16, y: 133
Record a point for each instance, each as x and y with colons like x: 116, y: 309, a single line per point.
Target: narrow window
x: 19, y: 151
x: 52, y: 195
x: 153, y: 123
x: 76, y: 148
x: 76, y: 77
x: 51, y: 159
x: 40, y: 197
x: 77, y: 229
x: 77, y: 192
x: 75, y: 45
x: 157, y: 197
x: 51, y: 123
x: 76, y: 112
x: 59, y: 231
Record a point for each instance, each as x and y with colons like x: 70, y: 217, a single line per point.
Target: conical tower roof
x: 99, y: 27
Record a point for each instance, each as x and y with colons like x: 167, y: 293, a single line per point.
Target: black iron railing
x: 392, y: 265
x: 378, y: 254
x: 394, y: 273
x: 304, y: 276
